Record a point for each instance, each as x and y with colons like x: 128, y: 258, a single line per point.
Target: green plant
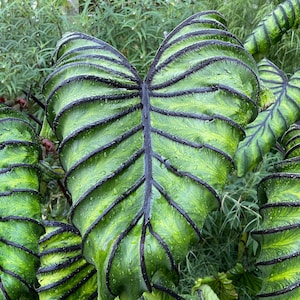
x: 116, y: 139
x: 147, y: 161
x: 131, y: 26
x: 62, y: 264
x: 20, y: 220
x: 30, y: 29
x: 278, y: 233
x: 28, y: 34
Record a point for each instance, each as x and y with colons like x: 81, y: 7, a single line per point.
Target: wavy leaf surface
x: 270, y: 30
x: 20, y: 217
x: 271, y: 123
x: 146, y: 159
x: 272, y: 79
x: 64, y: 273
x: 279, y: 232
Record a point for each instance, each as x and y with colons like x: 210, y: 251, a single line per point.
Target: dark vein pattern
x: 270, y: 30
x: 146, y: 160
x: 279, y: 232
x: 282, y: 108
x: 64, y: 273
x: 20, y: 219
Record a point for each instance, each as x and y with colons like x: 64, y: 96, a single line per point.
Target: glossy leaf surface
x: 146, y: 159
x: 272, y: 122
x: 279, y: 233
x: 64, y: 273
x: 20, y: 217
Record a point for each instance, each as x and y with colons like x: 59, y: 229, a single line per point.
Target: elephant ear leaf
x: 279, y: 259
x: 20, y: 217
x: 270, y: 30
x: 146, y: 159
x: 274, y: 120
x: 64, y: 273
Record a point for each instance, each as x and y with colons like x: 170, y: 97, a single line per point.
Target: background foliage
x: 29, y: 32
x: 30, y: 29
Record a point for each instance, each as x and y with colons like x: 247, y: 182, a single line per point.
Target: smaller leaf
x: 64, y: 273
x: 292, y: 142
x: 159, y: 295
x: 270, y: 30
x: 270, y: 124
x: 212, y: 286
x: 278, y: 234
x: 249, y: 280
x: 20, y: 214
x: 205, y: 291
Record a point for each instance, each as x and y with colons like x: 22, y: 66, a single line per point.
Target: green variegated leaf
x: 20, y: 217
x: 279, y: 233
x: 64, y: 273
x: 273, y: 79
x: 146, y: 159
x: 270, y: 30
x: 271, y: 123
x: 291, y: 140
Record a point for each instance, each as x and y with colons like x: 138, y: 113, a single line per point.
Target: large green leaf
x: 279, y: 233
x: 273, y: 121
x: 146, y: 159
x: 64, y: 273
x: 270, y: 30
x: 20, y: 217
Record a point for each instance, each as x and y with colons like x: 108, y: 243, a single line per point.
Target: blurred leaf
x: 219, y: 288
x: 270, y: 30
